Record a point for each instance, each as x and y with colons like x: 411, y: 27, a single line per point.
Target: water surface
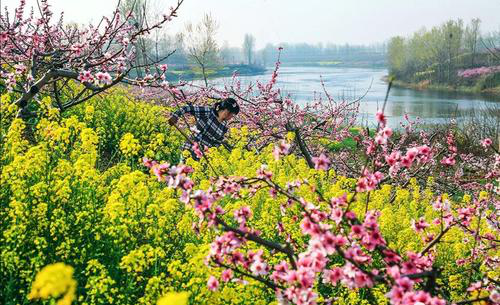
x: 302, y: 83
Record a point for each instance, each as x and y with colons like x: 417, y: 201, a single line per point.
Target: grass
x: 349, y: 142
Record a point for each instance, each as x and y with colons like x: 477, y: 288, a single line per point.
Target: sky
x: 310, y: 21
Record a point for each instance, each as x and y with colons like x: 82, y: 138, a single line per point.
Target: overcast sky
x: 311, y: 21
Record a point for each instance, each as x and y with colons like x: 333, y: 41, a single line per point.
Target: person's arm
x: 196, y: 111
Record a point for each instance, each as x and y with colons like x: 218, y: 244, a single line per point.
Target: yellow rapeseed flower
x: 174, y: 298
x: 54, y: 281
x: 89, y: 113
x: 129, y: 145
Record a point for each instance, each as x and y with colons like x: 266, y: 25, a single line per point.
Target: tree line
x: 437, y: 55
x: 196, y: 45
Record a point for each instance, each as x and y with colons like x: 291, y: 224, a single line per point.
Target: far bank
x: 477, y: 88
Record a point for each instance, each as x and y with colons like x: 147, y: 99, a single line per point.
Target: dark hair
x: 229, y: 104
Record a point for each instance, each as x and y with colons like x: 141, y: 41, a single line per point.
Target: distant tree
x: 201, y: 47
x: 138, y: 10
x: 249, y: 48
x: 225, y: 53
x: 396, y: 55
x: 157, y: 43
x: 471, y: 38
x: 165, y: 44
x: 453, y: 31
x: 490, y: 44
x: 269, y: 53
x: 441, y: 53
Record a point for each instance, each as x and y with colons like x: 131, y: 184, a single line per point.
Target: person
x: 210, y: 124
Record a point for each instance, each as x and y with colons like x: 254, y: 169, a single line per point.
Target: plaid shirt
x: 211, y: 131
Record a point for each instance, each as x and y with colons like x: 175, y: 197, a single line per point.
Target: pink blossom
x: 291, y: 276
x: 196, y: 150
x: 340, y: 201
x: 280, y: 272
x: 486, y: 142
x: 421, y: 297
x: 357, y: 231
x: 372, y: 240
x: 77, y: 49
x: 412, y: 153
x: 336, y: 215
x: 202, y: 201
x: 148, y: 163
x: 332, y: 276
x: 448, y: 161
x: 355, y: 253
x: 406, y: 162
x: 387, y: 132
x: 243, y: 214
x: 263, y: 173
x: 350, y: 215
x: 362, y: 185
x: 354, y: 278
x: 370, y: 149
x: 321, y: 162
x: 20, y: 68
x: 227, y: 275
x: 393, y: 158
x: 161, y: 170
x: 419, y: 225
x: 393, y: 272
x: 380, y: 140
x: 85, y: 76
x: 175, y: 91
x: 409, y: 267
x: 405, y: 283
x: 329, y: 241
x: 103, y: 77
x: 318, y: 261
x: 309, y: 227
x: 396, y: 295
x: 475, y: 286
x: 495, y: 296
x: 468, y: 73
x: 465, y: 215
x: 213, y: 283
x: 305, y: 277
x: 424, y: 150
x: 381, y: 118
x: 4, y: 36
x: 391, y: 256
x: 11, y: 80
x: 362, y: 280
x: 369, y: 181
x: 282, y: 148
x: 339, y: 240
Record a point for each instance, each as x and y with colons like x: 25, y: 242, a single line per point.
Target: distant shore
x: 426, y: 86
x: 185, y: 73
x: 338, y: 64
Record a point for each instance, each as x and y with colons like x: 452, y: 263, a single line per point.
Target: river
x: 351, y: 83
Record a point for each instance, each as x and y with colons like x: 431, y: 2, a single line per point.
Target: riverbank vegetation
x: 452, y: 56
